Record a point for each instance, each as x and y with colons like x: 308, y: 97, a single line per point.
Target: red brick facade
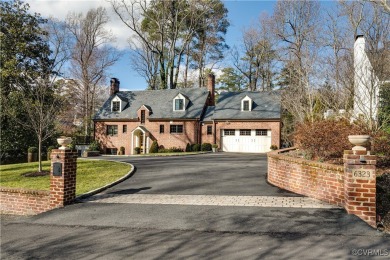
x: 193, y: 132
x: 330, y: 183
x: 156, y: 130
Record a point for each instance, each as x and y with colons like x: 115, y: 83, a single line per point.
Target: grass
x: 91, y: 174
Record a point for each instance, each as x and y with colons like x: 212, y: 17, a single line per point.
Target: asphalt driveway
x: 205, y: 174
x: 112, y: 225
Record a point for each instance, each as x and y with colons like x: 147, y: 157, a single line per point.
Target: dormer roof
x: 159, y: 101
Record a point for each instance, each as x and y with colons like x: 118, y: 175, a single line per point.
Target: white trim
x: 246, y: 98
x: 185, y: 102
x: 122, y: 104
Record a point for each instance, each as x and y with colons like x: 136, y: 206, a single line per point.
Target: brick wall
x: 317, y: 180
x: 62, y: 189
x: 330, y: 183
x: 24, y: 202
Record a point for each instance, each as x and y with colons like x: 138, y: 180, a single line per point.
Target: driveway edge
x: 98, y: 190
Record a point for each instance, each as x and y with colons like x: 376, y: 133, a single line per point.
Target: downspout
x: 215, y: 132
x: 199, y: 132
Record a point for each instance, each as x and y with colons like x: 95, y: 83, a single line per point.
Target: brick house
x: 238, y: 122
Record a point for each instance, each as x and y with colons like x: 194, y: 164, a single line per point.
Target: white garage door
x: 246, y: 140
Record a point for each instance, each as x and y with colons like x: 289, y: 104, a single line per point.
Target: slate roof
x: 160, y: 103
x: 266, y: 105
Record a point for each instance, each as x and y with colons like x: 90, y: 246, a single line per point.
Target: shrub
x: 325, y: 139
x: 206, y: 147
x: 32, y: 149
x: 381, y: 143
x: 215, y: 146
x: 121, y: 150
x: 94, y: 146
x: 188, y: 148
x: 171, y: 150
x: 195, y: 147
x: 154, y: 147
x: 50, y: 148
x: 273, y: 147
x: 137, y: 150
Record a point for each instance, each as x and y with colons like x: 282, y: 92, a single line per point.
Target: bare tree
x: 296, y: 24
x: 42, y: 106
x: 92, y: 55
x: 145, y: 63
x: 258, y: 58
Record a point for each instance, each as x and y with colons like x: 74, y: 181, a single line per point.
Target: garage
x: 246, y: 140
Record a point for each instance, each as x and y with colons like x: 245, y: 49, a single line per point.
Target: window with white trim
x: 116, y: 106
x: 229, y: 132
x: 245, y: 132
x: 246, y: 104
x: 179, y: 104
x: 261, y: 132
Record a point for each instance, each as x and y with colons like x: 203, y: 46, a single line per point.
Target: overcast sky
x: 241, y: 14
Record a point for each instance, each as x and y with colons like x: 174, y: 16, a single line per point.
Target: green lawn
x: 91, y: 174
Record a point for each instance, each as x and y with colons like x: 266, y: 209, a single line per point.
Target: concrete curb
x: 98, y: 190
x: 152, y: 155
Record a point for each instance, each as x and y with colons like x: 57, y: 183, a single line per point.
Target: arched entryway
x: 140, y: 138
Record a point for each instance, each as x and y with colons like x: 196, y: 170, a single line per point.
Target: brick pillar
x: 360, y: 185
x: 62, y: 177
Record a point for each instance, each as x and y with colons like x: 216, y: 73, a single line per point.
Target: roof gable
x: 265, y: 105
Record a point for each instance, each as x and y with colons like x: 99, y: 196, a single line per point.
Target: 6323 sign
x: 363, y: 173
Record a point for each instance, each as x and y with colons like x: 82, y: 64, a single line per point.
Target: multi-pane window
x: 124, y: 129
x: 142, y: 116
x: 246, y: 105
x: 245, y: 132
x: 176, y: 129
x: 229, y: 132
x: 161, y: 129
x: 262, y: 132
x: 179, y: 104
x: 112, y: 130
x: 209, y: 130
x: 116, y: 106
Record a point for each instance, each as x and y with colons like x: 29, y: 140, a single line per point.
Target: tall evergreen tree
x: 24, y: 51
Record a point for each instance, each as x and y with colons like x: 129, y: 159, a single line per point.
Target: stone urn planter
x: 64, y: 142
x: 32, y: 155
x: 214, y: 148
x: 359, y: 141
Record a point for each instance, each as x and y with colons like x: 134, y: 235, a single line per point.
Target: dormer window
x: 180, y: 102
x: 246, y: 104
x: 116, y: 105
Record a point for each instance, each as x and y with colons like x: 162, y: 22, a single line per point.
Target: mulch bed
x: 36, y: 174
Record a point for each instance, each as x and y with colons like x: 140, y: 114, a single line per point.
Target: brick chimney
x: 114, y: 86
x: 211, y: 88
